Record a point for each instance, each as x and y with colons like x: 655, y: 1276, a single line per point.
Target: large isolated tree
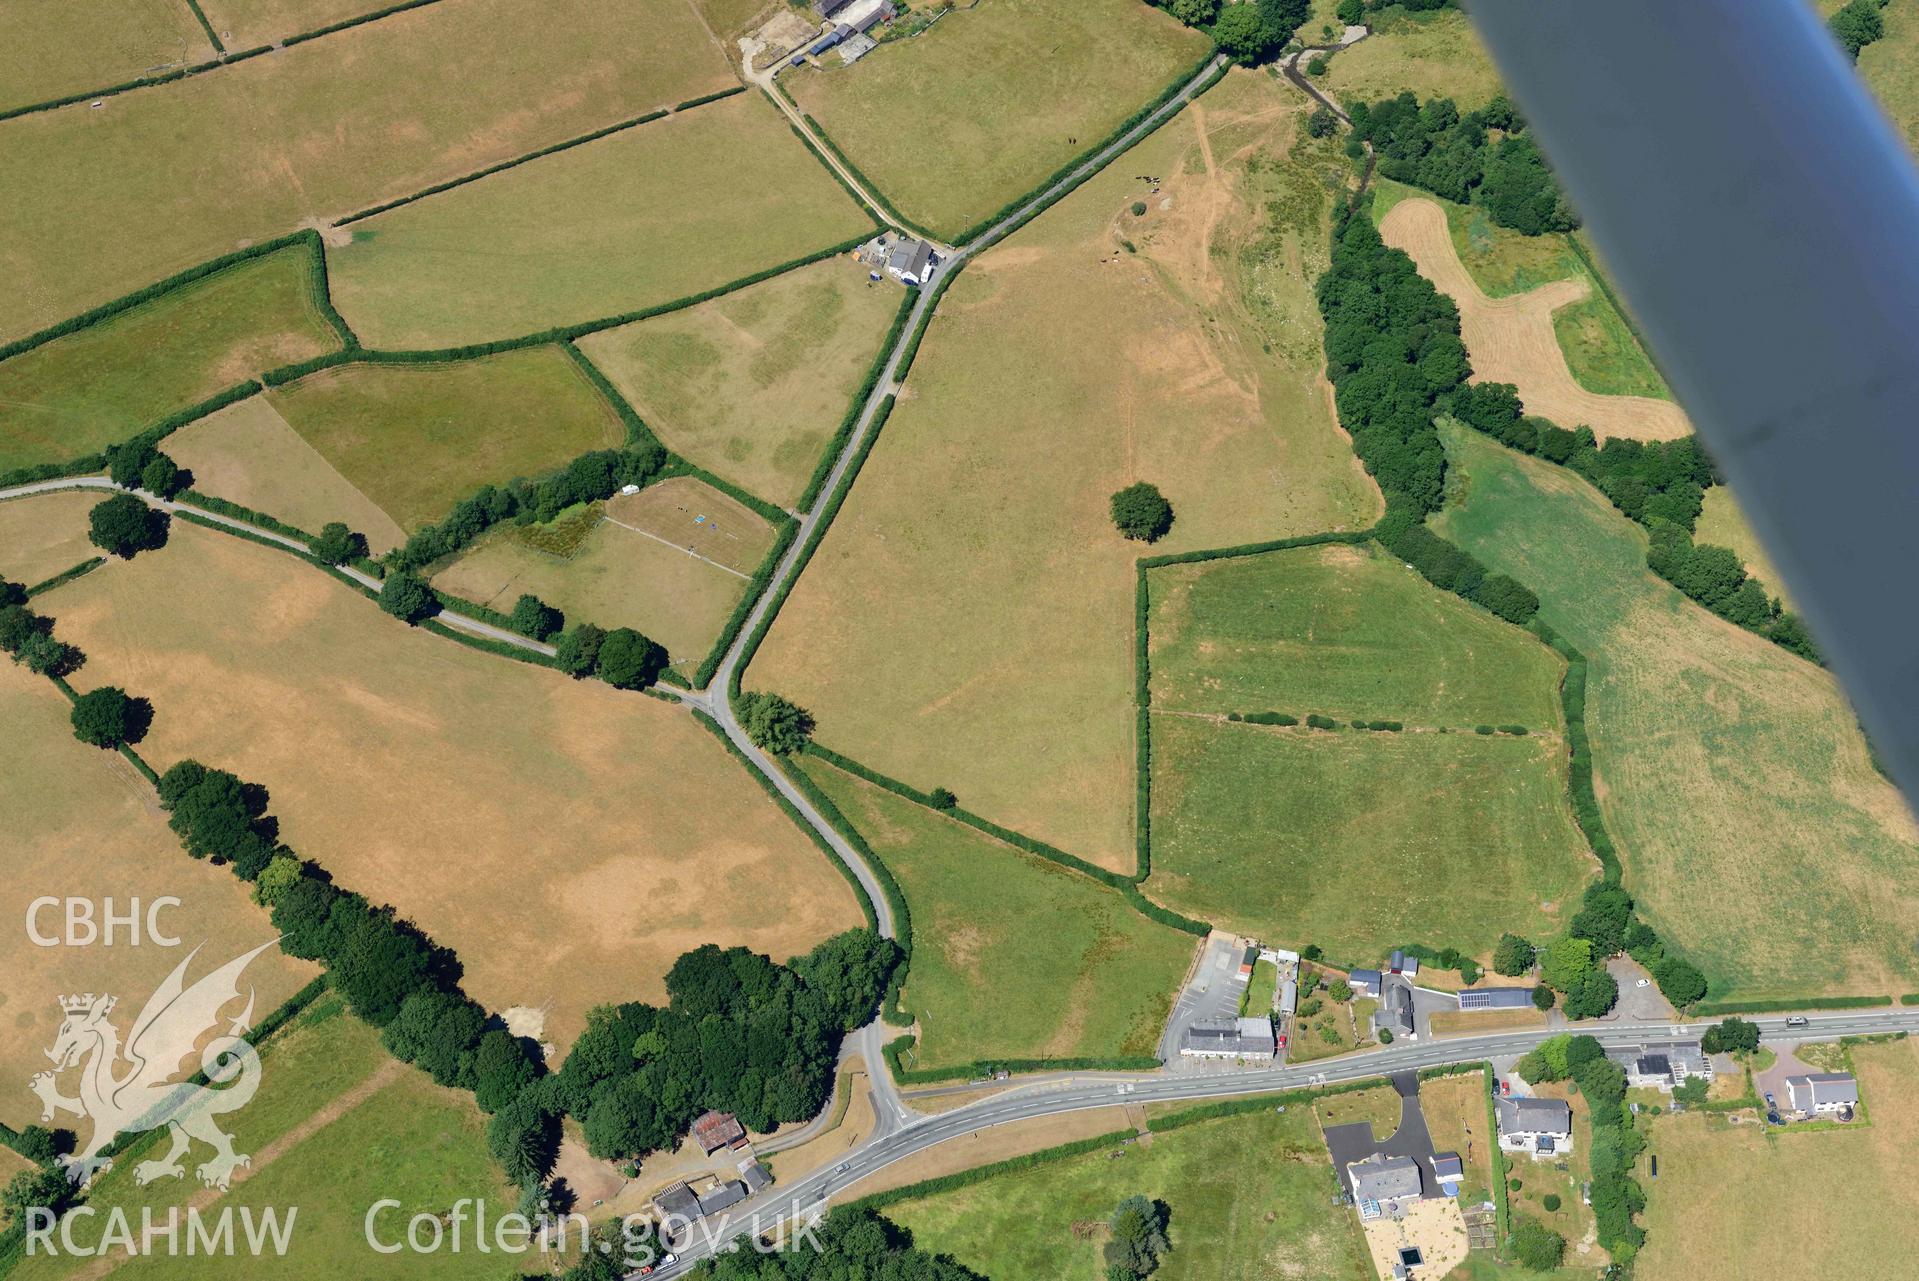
x: 1142, y: 513
x: 123, y: 525
x: 107, y: 717
x: 775, y: 723
x: 630, y: 660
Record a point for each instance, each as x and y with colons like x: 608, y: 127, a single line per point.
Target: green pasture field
x: 161, y: 179
x: 1755, y: 832
x: 1435, y: 53
x: 52, y: 48
x: 45, y: 534
x: 102, y: 384
x: 1266, y: 831
x: 417, y: 438
x: 976, y: 111
x: 648, y: 215
x: 617, y: 577
x: 1723, y: 524
x: 1602, y: 353
x: 751, y: 385
x: 968, y: 621
x: 336, y: 1126
x: 1251, y: 1198
x: 1343, y: 630
x: 1013, y: 956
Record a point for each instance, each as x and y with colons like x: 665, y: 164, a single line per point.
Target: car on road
x: 670, y: 1257
x: 1643, y: 983
x: 1505, y: 1086
x: 1797, y: 1020
x: 842, y: 1167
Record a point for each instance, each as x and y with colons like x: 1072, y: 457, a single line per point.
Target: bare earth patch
x: 1511, y: 340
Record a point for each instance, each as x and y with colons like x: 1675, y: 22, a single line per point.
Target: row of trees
x: 139, y: 464
x: 1616, y: 1196
x: 588, y: 478
x: 28, y: 637
x: 1250, y: 32
x: 1484, y: 156
x: 1660, y: 484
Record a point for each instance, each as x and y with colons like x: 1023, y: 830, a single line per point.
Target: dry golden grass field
x: 104, y: 383
x: 247, y: 454
x: 1512, y: 340
x: 45, y: 534
x: 1738, y: 1201
x: 162, y: 178
x: 977, y: 111
x: 415, y: 439
x: 569, y: 841
x: 632, y: 570
x: 699, y: 520
x: 241, y: 24
x: 752, y: 385
x: 52, y: 48
x: 968, y: 621
x: 658, y: 212
x: 81, y: 822
x: 1434, y: 54
x: 1754, y: 830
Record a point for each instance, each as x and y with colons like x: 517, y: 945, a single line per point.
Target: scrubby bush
x: 943, y: 799
x: 535, y: 618
x: 1536, y: 1247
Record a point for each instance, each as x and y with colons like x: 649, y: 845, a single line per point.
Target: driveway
x: 1355, y: 1142
x: 1773, y: 1079
x: 1636, y: 1004
x: 1212, y: 992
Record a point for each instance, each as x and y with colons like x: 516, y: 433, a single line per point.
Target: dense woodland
x: 1483, y: 157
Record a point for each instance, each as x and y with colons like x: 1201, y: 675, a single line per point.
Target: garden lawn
x: 418, y: 438
x: 160, y: 179
x: 45, y: 535
x: 643, y: 217
x: 81, y: 822
x: 1755, y: 832
x: 337, y: 1125
x: 751, y: 385
x: 983, y: 107
x: 1266, y: 831
x: 102, y: 384
x: 968, y: 620
x: 1344, y: 630
x: 1435, y: 53
x: 1251, y: 1197
x: 1723, y: 1188
x: 568, y: 840
x: 52, y: 48
x: 1013, y: 956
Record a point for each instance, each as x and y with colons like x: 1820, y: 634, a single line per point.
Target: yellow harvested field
x: 1725, y: 1192
x: 968, y: 621
x: 752, y: 385
x: 567, y: 840
x: 162, y: 178
x: 649, y: 215
x: 247, y: 454
x: 52, y: 48
x: 82, y: 823
x: 1511, y: 339
x: 618, y: 578
x: 44, y: 535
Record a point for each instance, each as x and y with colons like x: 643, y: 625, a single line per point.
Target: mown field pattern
x: 751, y: 385
x: 1359, y: 841
x: 120, y: 196
x: 52, y: 48
x: 337, y: 1125
x: 1755, y: 832
x: 968, y: 620
x: 102, y: 384
x: 989, y: 980
x: 80, y: 821
x: 978, y: 110
x: 650, y: 840
x: 1251, y: 1198
x: 1342, y: 630
x: 646, y: 216
x: 418, y: 438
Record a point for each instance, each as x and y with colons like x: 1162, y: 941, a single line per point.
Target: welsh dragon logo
x: 132, y: 1087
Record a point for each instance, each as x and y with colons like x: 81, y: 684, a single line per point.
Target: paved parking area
x: 1355, y: 1142
x: 1212, y: 992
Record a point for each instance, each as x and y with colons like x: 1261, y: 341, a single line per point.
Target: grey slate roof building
x: 1250, y: 1038
x: 1822, y: 1092
x: 1523, y: 1120
x: 1395, y: 1013
x: 678, y: 1202
x: 1449, y: 1170
x: 910, y: 261
x: 1364, y: 982
x: 755, y: 1175
x: 1382, y: 1184
x: 731, y: 1192
x: 1661, y: 1065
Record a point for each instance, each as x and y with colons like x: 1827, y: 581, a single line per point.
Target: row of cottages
x: 1823, y: 1094
x: 1539, y: 1127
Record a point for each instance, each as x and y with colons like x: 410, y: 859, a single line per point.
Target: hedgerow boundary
x: 67, y: 575
x: 213, y: 37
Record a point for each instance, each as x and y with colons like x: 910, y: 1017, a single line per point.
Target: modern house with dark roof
x: 716, y: 1130
x: 1661, y: 1065
x: 1481, y: 999
x: 1250, y: 1038
x: 1541, y: 1127
x: 1449, y: 1171
x: 910, y: 262
x: 1822, y: 1092
x: 1363, y: 982
x: 827, y: 8
x: 1383, y: 1186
